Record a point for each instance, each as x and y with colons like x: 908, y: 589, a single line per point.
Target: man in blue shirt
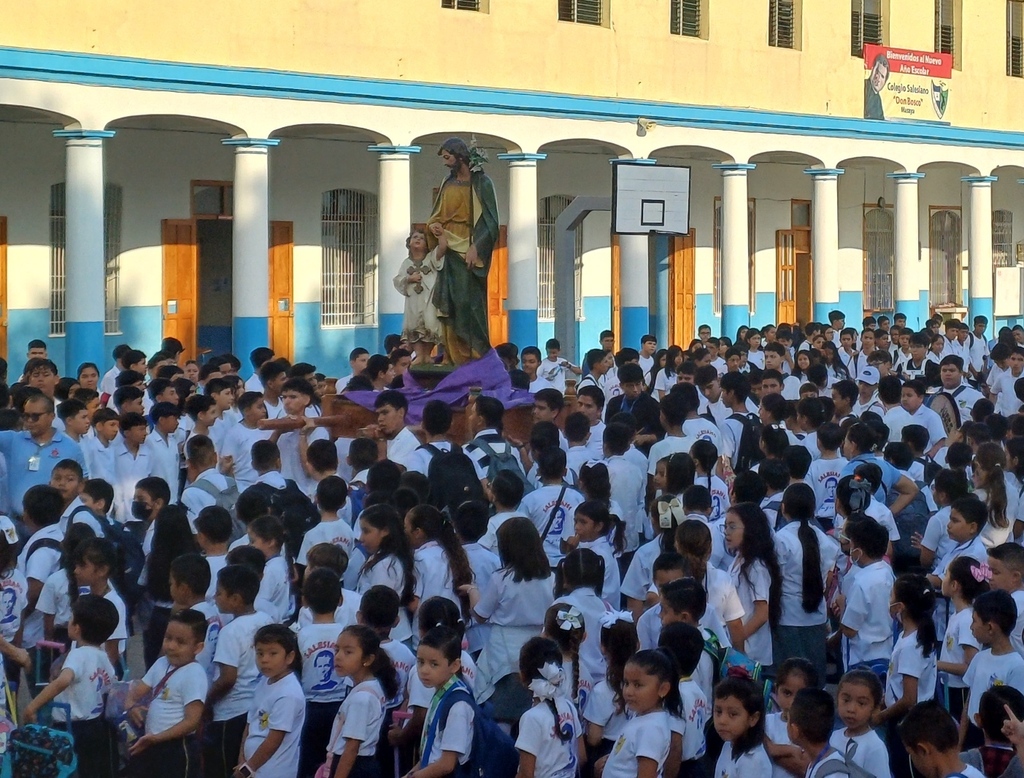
x: 32, y: 453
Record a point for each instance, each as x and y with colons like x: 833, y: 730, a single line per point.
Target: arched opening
x: 944, y: 272
x: 879, y: 259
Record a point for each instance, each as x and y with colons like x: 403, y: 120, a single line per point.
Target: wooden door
x: 180, y: 275
x: 682, y: 300
x: 616, y: 291
x: 3, y: 286
x: 282, y: 306
x: 497, y: 290
x: 785, y: 263
x: 804, y: 290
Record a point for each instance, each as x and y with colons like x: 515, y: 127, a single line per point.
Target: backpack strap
x: 206, y: 487
x: 51, y: 543
x: 554, y: 512
x: 457, y: 693
x: 80, y: 509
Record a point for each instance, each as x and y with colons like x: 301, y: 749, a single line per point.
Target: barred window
x: 1015, y: 38
x: 879, y: 259
x: 1002, y: 239
x: 348, y: 243
x: 581, y: 11
x: 112, y: 201
x: 686, y: 17
x: 716, y: 241
x: 551, y: 208
x: 865, y: 25
x: 944, y: 242
x: 782, y: 24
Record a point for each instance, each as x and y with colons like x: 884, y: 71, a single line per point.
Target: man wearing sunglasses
x: 32, y: 452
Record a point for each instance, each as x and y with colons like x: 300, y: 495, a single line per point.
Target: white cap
x: 8, y: 530
x: 868, y: 375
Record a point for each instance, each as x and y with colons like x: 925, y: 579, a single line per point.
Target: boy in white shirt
x: 505, y: 492
x: 190, y: 580
x: 552, y: 506
x: 235, y: 662
x: 331, y: 497
x: 825, y: 471
x: 82, y: 684
x: 686, y: 644
x: 213, y: 533
x: 99, y: 450
x: 237, y: 442
x: 178, y: 686
x: 810, y: 727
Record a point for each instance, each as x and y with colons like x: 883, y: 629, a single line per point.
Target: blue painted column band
x: 388, y: 324
x: 635, y: 324
x: 248, y: 333
x: 83, y: 342
x: 523, y: 328
x: 734, y: 317
x: 981, y: 306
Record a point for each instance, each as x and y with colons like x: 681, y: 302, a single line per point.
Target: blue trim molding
x: 83, y: 342
x: 635, y: 322
x: 733, y: 317
x: 389, y: 324
x: 979, y: 179
x: 905, y: 176
x: 248, y: 333
x: 248, y: 143
x: 728, y: 167
x: 134, y: 73
x: 381, y: 148
x: 824, y: 172
x: 84, y: 134
x: 632, y: 161
x: 517, y: 157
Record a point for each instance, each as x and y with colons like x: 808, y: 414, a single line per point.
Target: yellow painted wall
x: 520, y: 44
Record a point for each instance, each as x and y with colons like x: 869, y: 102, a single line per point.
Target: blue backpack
x: 493, y: 754
x: 131, y: 560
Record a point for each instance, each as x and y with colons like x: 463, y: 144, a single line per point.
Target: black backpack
x: 453, y: 479
x: 131, y: 560
x: 748, y: 449
x: 297, y: 512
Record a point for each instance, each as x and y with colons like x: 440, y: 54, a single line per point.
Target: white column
x: 523, y: 277
x: 979, y: 248
x: 825, y: 241
x: 394, y: 220
x: 250, y: 270
x: 735, y: 248
x: 634, y: 280
x: 85, y: 276
x: 908, y: 249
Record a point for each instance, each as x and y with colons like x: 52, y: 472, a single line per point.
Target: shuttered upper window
x: 686, y: 18
x: 1015, y: 38
x: 464, y: 5
x: 865, y: 25
x: 1002, y: 239
x: 582, y: 11
x: 946, y: 28
x: 782, y: 23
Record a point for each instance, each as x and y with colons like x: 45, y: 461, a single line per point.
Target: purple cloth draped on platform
x: 488, y: 373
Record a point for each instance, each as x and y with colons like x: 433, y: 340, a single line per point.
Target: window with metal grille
x: 782, y: 23
x: 1015, y: 38
x: 1002, y: 239
x: 685, y: 18
x: 581, y: 11
x: 461, y: 5
x: 348, y: 243
x: 112, y: 199
x: 945, y: 28
x: 879, y: 259
x: 716, y: 240
x: 551, y: 208
x: 865, y: 25
x: 944, y: 241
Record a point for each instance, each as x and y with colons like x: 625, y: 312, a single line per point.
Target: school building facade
x: 237, y: 176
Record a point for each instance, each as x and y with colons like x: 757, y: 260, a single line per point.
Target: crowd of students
x: 661, y: 582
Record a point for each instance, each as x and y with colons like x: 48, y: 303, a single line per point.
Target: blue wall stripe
x: 765, y: 311
x: 91, y: 69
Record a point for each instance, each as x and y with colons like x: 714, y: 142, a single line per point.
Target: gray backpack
x: 844, y: 767
x: 225, y: 499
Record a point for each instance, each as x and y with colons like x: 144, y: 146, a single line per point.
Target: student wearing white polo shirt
x: 912, y: 400
x: 866, y: 627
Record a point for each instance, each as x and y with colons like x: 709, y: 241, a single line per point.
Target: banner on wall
x: 906, y: 85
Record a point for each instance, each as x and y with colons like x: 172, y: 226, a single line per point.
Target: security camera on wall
x: 643, y: 126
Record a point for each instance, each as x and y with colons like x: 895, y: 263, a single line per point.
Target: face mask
x: 139, y: 510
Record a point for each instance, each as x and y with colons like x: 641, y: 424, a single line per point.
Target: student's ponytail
x: 705, y: 454
x: 382, y: 669
x: 438, y: 527
x: 541, y: 661
x: 798, y: 504
x: 563, y: 623
x: 918, y: 598
x: 991, y: 460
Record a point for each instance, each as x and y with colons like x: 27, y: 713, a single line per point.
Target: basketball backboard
x: 650, y: 198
